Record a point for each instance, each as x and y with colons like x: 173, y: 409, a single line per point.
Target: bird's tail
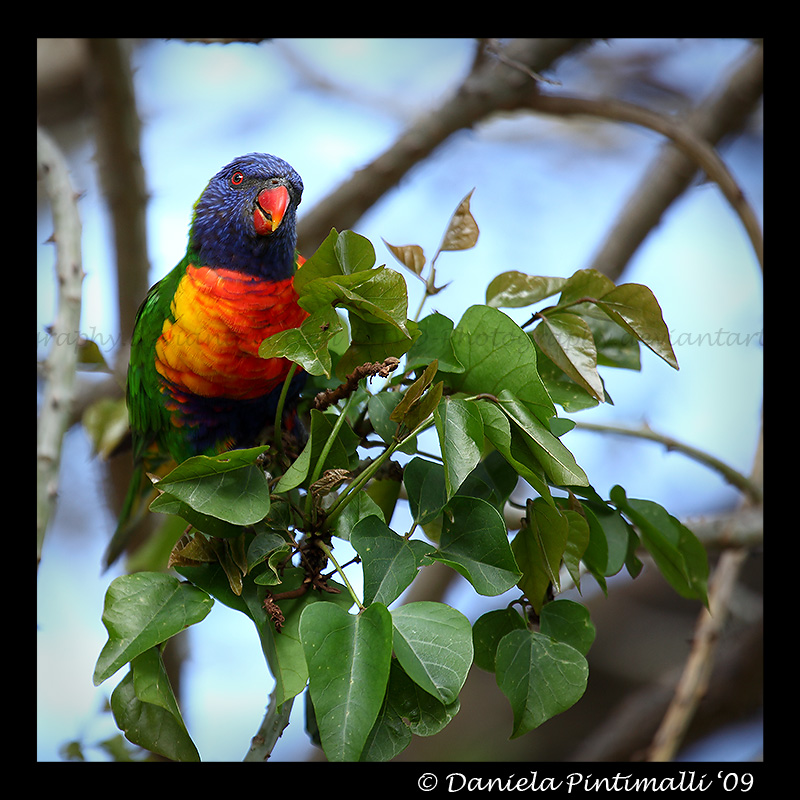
x: 128, y: 518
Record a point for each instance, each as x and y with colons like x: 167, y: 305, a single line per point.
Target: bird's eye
x: 237, y: 178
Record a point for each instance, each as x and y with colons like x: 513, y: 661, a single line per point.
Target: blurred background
x: 548, y: 191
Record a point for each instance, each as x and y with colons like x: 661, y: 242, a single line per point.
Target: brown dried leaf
x: 462, y: 230
x: 411, y: 256
x: 189, y: 551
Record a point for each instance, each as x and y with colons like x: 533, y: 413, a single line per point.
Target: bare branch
x: 741, y: 482
x: 117, y: 134
x: 697, y: 671
x: 59, y: 369
x: 723, y: 112
x: 681, y: 135
x: 492, y: 85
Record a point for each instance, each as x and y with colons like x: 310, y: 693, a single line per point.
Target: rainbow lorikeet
x: 196, y: 384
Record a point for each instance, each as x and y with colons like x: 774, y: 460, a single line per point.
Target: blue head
x: 246, y: 217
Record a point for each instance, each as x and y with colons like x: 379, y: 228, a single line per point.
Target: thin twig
x: 721, y: 113
x: 491, y: 86
x: 59, y: 369
x: 732, y: 476
x: 680, y: 134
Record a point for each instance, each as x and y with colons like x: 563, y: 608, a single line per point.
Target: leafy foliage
x: 263, y: 525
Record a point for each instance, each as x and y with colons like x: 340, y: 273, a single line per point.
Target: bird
x: 196, y: 384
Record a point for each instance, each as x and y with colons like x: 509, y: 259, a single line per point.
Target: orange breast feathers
x: 220, y: 318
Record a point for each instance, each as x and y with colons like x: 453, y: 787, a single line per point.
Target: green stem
x: 363, y: 478
x: 327, y: 550
x: 279, y: 409
x: 337, y: 426
x: 272, y: 726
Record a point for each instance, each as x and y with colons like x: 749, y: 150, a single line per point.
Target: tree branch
x: 693, y: 683
x: 272, y: 726
x: 732, y: 476
x: 59, y: 368
x: 723, y: 112
x: 117, y: 133
x: 694, y: 680
x: 492, y: 85
x: 681, y: 135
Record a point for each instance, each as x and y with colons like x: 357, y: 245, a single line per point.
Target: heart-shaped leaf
x: 143, y: 610
x: 433, y: 643
x: 539, y: 676
x: 348, y: 661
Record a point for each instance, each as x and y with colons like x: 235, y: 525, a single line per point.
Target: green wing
x: 148, y: 415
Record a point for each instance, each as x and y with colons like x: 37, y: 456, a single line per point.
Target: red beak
x: 271, y: 205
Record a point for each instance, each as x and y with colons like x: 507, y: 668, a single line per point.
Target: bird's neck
x: 270, y: 258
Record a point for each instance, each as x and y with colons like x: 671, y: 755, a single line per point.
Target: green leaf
x: 143, y: 610
x: 609, y: 537
x: 308, y: 344
x: 539, y: 676
x: 146, y: 711
x: 538, y: 548
x: 284, y: 651
x: 515, y: 289
x: 567, y: 621
x: 577, y: 542
x: 380, y: 498
x: 678, y: 553
x: 354, y: 252
x: 372, y: 340
x: 341, y: 455
x: 497, y: 354
x: 493, y: 480
x: 433, y: 643
x: 509, y: 443
x: 615, y: 346
x: 348, y: 661
x: 375, y: 295
x: 460, y: 428
x: 407, y: 709
x: 474, y: 542
x: 556, y: 460
x: 324, y: 263
x: 564, y: 391
x: 588, y: 284
x: 487, y: 632
x: 389, y: 562
x: 271, y: 548
x: 567, y: 341
x: 166, y: 503
x: 635, y: 308
x: 107, y: 423
x: 380, y: 408
x: 434, y: 344
x: 262, y: 546
x: 359, y: 507
x: 230, y: 486
x: 414, y: 407
x: 426, y: 489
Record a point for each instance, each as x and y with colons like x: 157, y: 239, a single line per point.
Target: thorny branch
x: 381, y: 369
x: 61, y: 362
